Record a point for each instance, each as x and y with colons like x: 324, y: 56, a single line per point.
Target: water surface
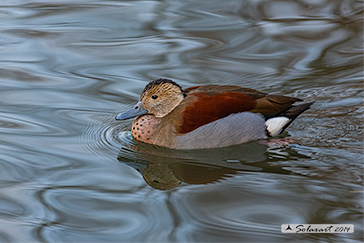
x: 70, y: 173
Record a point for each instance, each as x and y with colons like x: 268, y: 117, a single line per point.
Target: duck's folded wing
x: 273, y: 104
x: 209, y: 103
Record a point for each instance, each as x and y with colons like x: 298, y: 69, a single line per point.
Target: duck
x: 208, y: 116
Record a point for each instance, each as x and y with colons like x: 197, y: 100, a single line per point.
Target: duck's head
x: 158, y: 98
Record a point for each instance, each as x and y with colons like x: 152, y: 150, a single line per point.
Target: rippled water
x: 70, y: 173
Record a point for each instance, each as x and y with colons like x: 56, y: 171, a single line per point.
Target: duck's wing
x: 273, y: 104
x: 205, y: 104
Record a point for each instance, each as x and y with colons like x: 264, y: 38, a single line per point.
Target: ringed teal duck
x: 208, y: 116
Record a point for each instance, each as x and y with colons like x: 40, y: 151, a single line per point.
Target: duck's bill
x: 137, y: 110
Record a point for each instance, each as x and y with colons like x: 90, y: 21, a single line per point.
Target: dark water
x: 70, y: 173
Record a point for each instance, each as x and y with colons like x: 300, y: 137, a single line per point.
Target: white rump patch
x: 275, y: 125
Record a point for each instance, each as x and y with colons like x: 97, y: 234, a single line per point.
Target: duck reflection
x: 165, y: 169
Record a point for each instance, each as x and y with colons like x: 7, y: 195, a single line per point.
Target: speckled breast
x: 144, y: 127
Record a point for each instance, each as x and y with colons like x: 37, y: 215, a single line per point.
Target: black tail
x: 276, y: 124
x: 293, y: 112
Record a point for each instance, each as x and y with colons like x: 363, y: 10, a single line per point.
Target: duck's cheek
x: 143, y: 128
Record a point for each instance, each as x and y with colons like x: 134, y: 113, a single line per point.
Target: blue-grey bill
x: 137, y: 110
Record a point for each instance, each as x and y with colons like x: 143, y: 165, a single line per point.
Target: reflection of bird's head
x: 161, y: 177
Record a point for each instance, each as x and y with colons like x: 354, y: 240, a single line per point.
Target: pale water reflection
x: 70, y: 173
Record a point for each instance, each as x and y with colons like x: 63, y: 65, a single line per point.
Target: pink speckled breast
x: 144, y: 127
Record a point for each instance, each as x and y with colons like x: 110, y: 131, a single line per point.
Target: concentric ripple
x: 106, y: 136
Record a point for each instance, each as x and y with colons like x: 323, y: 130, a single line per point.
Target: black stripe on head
x: 160, y: 81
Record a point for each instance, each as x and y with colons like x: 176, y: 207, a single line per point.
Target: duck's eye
x: 154, y: 97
